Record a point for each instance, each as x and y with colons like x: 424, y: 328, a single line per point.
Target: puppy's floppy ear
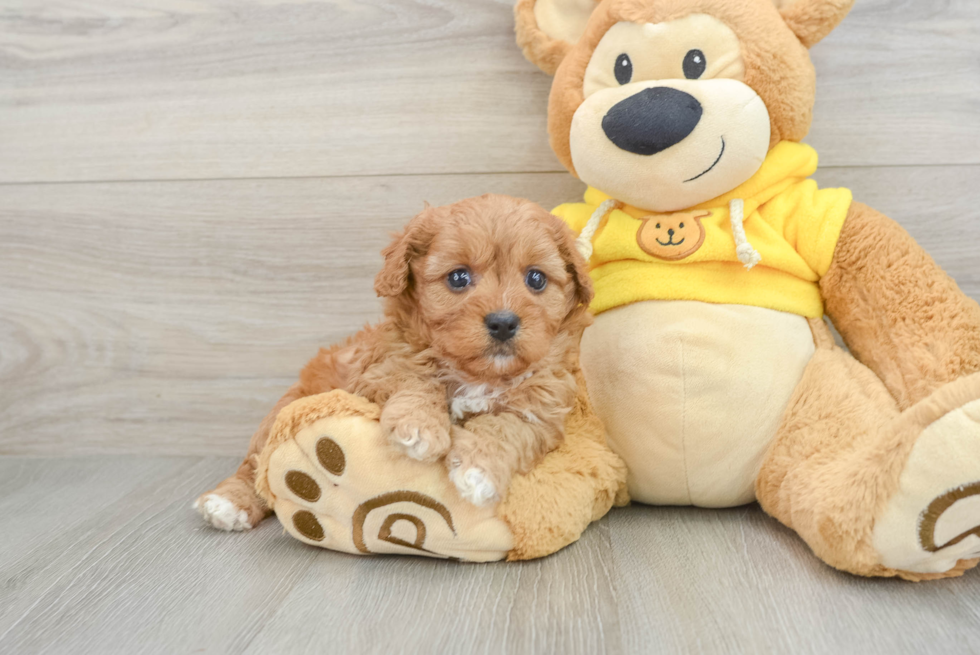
x: 413, y: 242
x: 547, y: 29
x: 812, y: 20
x: 575, y: 263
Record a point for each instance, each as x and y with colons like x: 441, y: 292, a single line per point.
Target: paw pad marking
x: 385, y: 532
x: 303, y: 486
x: 307, y: 525
x: 931, y: 515
x: 331, y: 455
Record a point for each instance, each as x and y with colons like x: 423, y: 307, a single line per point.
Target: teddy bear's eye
x: 658, y: 226
x: 459, y: 279
x: 682, y: 226
x: 694, y: 64
x: 624, y: 69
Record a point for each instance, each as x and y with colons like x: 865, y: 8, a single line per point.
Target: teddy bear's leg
x: 904, y: 318
x: 872, y: 489
x: 897, y: 310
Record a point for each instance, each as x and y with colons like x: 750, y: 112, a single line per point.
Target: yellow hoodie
x: 691, y: 255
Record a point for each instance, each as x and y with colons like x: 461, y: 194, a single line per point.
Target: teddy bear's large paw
x: 335, y: 481
x: 931, y: 525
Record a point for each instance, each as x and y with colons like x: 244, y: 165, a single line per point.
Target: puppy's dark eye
x: 459, y: 279
x: 694, y: 64
x: 536, y: 279
x: 624, y: 69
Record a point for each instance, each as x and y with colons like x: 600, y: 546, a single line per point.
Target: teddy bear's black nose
x: 670, y: 232
x: 652, y: 120
x: 502, y: 326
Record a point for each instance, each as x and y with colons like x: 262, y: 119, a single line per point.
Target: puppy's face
x: 490, y: 281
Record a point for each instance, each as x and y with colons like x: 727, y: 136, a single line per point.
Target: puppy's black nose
x: 652, y: 120
x: 502, y: 326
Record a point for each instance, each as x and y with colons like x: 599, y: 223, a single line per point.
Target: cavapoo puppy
x: 486, y: 301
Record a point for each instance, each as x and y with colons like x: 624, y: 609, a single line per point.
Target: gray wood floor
x: 192, y: 198
x: 101, y: 555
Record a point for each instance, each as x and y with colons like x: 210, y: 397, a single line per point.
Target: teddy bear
x: 709, y: 376
x: 715, y: 260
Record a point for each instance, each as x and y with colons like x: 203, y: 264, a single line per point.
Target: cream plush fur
x: 716, y: 381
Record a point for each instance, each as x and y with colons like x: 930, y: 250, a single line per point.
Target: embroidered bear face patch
x: 672, y: 236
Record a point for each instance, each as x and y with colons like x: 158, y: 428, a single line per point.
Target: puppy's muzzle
x: 503, y: 325
x: 652, y: 120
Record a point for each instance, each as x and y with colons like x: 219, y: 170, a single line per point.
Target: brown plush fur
x: 851, y: 425
x: 897, y: 310
x: 809, y: 20
x: 545, y: 506
x: 433, y: 343
x: 546, y: 53
x: 812, y: 21
x: 839, y: 452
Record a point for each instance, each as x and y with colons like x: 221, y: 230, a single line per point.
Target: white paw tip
x: 474, y: 486
x: 222, y: 513
x: 415, y: 446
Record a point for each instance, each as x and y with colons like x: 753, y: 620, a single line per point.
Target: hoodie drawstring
x: 584, y: 241
x: 743, y: 249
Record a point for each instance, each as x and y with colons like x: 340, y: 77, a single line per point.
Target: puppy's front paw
x: 474, y: 484
x: 420, y: 437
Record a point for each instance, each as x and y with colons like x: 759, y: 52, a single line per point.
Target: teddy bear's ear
x: 812, y: 20
x: 547, y: 29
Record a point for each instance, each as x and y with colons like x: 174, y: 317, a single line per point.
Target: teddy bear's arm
x: 897, y: 310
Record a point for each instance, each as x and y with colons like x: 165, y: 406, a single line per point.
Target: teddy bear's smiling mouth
x: 710, y: 168
x: 671, y: 242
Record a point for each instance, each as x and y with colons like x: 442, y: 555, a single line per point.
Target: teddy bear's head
x: 665, y: 104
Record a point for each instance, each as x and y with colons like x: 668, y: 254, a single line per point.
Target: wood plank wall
x: 193, y: 194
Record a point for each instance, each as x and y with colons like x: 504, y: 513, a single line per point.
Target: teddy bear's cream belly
x: 692, y: 394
